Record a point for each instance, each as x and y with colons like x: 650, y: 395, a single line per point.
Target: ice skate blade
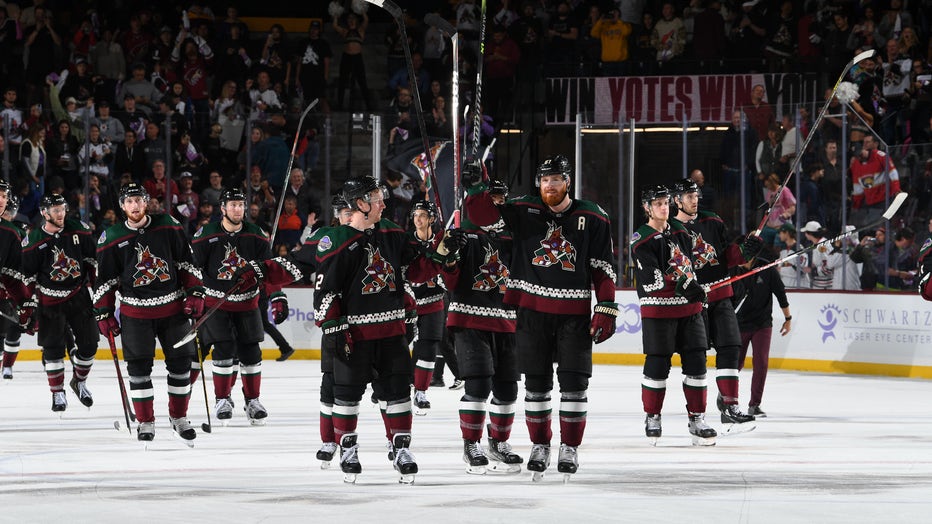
x: 566, y: 478
x: 349, y: 478
x: 503, y: 469
x: 699, y: 441
x: 653, y: 441
x: 257, y: 422
x: 537, y: 476
x: 421, y: 411
x: 475, y: 470
x: 324, y: 464
x: 406, y: 479
x: 737, y: 429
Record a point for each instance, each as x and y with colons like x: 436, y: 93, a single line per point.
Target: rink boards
x: 861, y: 333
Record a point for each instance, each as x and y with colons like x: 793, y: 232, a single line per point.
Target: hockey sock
x: 252, y: 379
x: 345, y: 415
x: 501, y: 418
x: 423, y: 373
x: 727, y: 381
x: 383, y: 406
x: 10, y: 352
x: 82, y: 366
x: 326, y: 423
x: 179, y: 393
x: 537, y: 411
x: 195, y: 371
x: 399, y: 416
x: 223, y: 377
x: 55, y: 372
x: 472, y: 418
x: 573, y: 409
x: 141, y: 392
x: 694, y: 387
x: 652, y: 394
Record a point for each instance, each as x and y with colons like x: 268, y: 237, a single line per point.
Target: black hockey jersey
x: 661, y: 259
x: 151, y: 267
x: 219, y: 253
x: 428, y: 295
x: 477, y: 282
x: 713, y: 255
x: 11, y: 259
x: 60, y: 265
x: 557, y: 258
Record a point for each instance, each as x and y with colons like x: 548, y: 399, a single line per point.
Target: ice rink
x: 834, y: 448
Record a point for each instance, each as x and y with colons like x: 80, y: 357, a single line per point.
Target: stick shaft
x: 123, y: 396
x: 294, y: 147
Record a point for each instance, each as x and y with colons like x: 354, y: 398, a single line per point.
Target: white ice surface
x: 833, y: 449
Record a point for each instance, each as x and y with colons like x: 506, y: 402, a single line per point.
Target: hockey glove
x: 279, y: 303
x: 751, y: 246
x: 472, y: 174
x: 602, y: 326
x: 343, y: 340
x: 194, y: 303
x: 28, y: 321
x: 106, y: 323
x: 250, y: 275
x: 453, y: 241
x: 925, y: 286
x: 690, y: 289
x: 410, y: 325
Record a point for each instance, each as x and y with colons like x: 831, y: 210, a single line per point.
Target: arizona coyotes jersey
x: 361, y: 274
x: 661, y: 259
x: 712, y: 254
x: 477, y: 283
x: 557, y: 258
x: 428, y: 295
x: 11, y: 258
x: 219, y: 253
x: 150, y: 266
x: 59, y: 265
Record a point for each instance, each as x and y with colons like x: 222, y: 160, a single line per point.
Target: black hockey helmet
x: 555, y: 165
x: 4, y: 185
x: 12, y: 204
x: 52, y: 200
x: 359, y: 187
x: 424, y: 205
x: 497, y: 187
x: 233, y: 193
x: 653, y: 192
x: 133, y: 189
x: 687, y: 185
x: 338, y: 203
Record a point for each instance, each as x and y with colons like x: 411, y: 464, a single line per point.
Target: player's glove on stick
x: 602, y: 326
x: 106, y: 323
x: 472, y: 174
x: 27, y: 318
x: 689, y: 288
x: 751, y: 246
x: 194, y: 303
x: 250, y: 275
x: 279, y: 303
x: 343, y: 340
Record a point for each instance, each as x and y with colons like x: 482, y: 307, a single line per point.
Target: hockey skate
x: 457, y: 384
x: 349, y: 458
x: 224, y: 410
x: 145, y: 431
x: 538, y: 461
x: 183, y: 429
x: 7, y: 373
x: 404, y: 461
x: 474, y: 457
x: 652, y: 428
x: 325, y: 454
x: 504, y: 459
x: 437, y: 382
x: 255, y: 412
x: 568, y: 462
x: 702, y: 433
x: 421, y: 404
x: 80, y: 389
x: 757, y: 412
x: 59, y: 401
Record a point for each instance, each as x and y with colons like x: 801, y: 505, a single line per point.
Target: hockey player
x: 562, y: 249
x: 149, y: 261
x: 431, y: 317
x: 235, y: 329
x: 671, y: 302
x: 359, y: 299
x: 12, y: 290
x: 484, y: 330
x: 59, y: 264
x: 713, y: 256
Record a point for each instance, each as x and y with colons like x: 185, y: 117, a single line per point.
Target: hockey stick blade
x: 441, y: 23
x: 895, y: 206
x: 205, y: 427
x: 200, y: 322
x: 389, y: 6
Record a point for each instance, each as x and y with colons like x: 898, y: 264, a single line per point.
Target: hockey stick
x: 294, y: 147
x: 477, y: 101
x: 123, y: 397
x: 200, y: 357
x: 801, y: 150
x: 207, y: 314
x: 398, y: 15
x: 887, y: 215
x: 443, y: 25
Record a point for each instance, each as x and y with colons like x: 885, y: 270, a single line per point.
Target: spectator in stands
x: 42, y: 42
x: 835, y: 45
x: 352, y: 67
x: 10, y: 37
x: 874, y: 180
x: 748, y: 35
x: 780, y: 43
x: 136, y: 42
x: 613, y: 33
x: 63, y: 152
x: 399, y: 78
x: 34, y: 158
x: 709, y: 37
x: 313, y: 67
x: 788, y: 144
x: 782, y: 209
x: 290, y: 223
x: 501, y: 63
x: 438, y: 123
x: 275, y: 56
x: 187, y: 157
x: 192, y: 64
x: 730, y: 156
x: 669, y: 36
x: 143, y: 91
x: 643, y: 51
x: 133, y: 119
x: 225, y: 26
x: 707, y: 197
x: 212, y: 192
x: 101, y: 201
x: 188, y: 202
x: 562, y: 34
x: 894, y: 21
x: 112, y: 131
x: 262, y: 96
x: 811, y: 198
x: 261, y: 193
x: 904, y: 260
x: 232, y: 57
x: 794, y: 272
x: 153, y: 146
x: 505, y: 16
x: 157, y: 185
x: 435, y: 51
x: 759, y: 113
x: 864, y: 34
x: 808, y: 37
x: 272, y: 157
x: 129, y: 158
x: 767, y: 157
x: 896, y: 83
x: 96, y: 154
x: 306, y: 199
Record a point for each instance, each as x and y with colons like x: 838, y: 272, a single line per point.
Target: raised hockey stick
x: 887, y: 215
x: 437, y: 21
x: 200, y: 357
x: 801, y: 150
x: 127, y: 410
x: 398, y: 15
x: 477, y: 102
x: 294, y: 148
x: 200, y: 322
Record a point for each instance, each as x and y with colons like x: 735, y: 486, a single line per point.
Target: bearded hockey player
x: 59, y: 263
x: 713, y: 255
x: 671, y: 302
x: 562, y: 250
x: 149, y: 261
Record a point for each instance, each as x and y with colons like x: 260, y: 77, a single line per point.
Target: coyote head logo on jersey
x: 63, y: 266
x: 492, y: 273
x: 379, y: 273
x: 230, y: 263
x: 149, y: 268
x: 703, y: 252
x: 679, y: 263
x: 555, y: 249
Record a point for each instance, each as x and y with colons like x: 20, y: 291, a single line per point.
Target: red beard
x: 553, y: 199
